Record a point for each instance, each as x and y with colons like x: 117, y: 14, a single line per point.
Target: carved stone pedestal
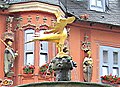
x: 62, y: 67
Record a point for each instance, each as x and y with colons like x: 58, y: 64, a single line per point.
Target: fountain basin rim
x: 64, y: 82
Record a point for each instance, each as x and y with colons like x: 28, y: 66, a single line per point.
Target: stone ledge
x: 64, y: 84
x: 35, y: 6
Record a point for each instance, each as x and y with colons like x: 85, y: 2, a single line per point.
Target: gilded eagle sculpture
x: 56, y: 33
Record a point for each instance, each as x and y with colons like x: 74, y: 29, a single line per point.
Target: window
x: 29, y: 48
x: 109, y: 61
x: 79, y: 0
x: 98, y: 5
x: 43, y: 51
x: 43, y: 59
x: 105, y: 70
x: 105, y: 56
x: 115, y: 58
x: 29, y: 58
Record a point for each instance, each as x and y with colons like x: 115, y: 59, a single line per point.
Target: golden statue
x: 57, y: 33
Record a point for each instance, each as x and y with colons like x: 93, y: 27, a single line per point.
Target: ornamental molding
x: 35, y: 6
x: 107, y: 43
x: 28, y: 25
x: 86, y: 45
x: 33, y: 26
x: 6, y: 83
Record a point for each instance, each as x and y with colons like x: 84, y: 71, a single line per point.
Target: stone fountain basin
x: 64, y: 84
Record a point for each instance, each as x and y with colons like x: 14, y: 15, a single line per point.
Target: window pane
x: 115, y: 71
x: 115, y: 58
x: 44, y: 46
x: 43, y: 59
x: 99, y: 3
x: 42, y: 32
x: 105, y: 56
x: 104, y: 70
x: 29, y: 46
x: 29, y: 59
x: 93, y: 2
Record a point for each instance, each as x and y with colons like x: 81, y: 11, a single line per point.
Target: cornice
x: 35, y: 6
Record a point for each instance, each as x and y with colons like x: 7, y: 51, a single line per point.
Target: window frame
x: 43, y: 51
x: 46, y: 58
x: 110, y: 64
x: 28, y: 31
x: 25, y: 62
x: 97, y: 8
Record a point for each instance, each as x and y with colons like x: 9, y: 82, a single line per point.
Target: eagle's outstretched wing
x: 70, y: 20
x: 59, y: 26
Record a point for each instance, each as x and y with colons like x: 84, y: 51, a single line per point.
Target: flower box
x: 109, y: 79
x: 28, y: 75
x: 44, y: 71
x: 28, y: 69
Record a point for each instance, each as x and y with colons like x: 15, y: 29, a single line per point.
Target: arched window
x: 43, y: 51
x: 29, y: 48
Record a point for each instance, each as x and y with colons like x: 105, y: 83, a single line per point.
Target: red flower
x: 110, y: 74
x: 44, y: 69
x: 31, y: 67
x: 105, y: 77
x: 24, y: 67
x: 115, y: 76
x: 28, y: 69
x: 111, y: 79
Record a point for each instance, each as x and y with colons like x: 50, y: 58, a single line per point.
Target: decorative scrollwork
x: 86, y: 45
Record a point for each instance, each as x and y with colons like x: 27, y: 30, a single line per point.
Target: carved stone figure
x: 9, y: 57
x: 87, y: 67
x: 9, y: 53
x: 62, y: 67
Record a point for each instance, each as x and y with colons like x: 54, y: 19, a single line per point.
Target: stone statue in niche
x: 87, y: 67
x: 88, y: 61
x: 9, y: 54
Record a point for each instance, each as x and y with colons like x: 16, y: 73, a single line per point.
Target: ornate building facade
x: 96, y: 29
